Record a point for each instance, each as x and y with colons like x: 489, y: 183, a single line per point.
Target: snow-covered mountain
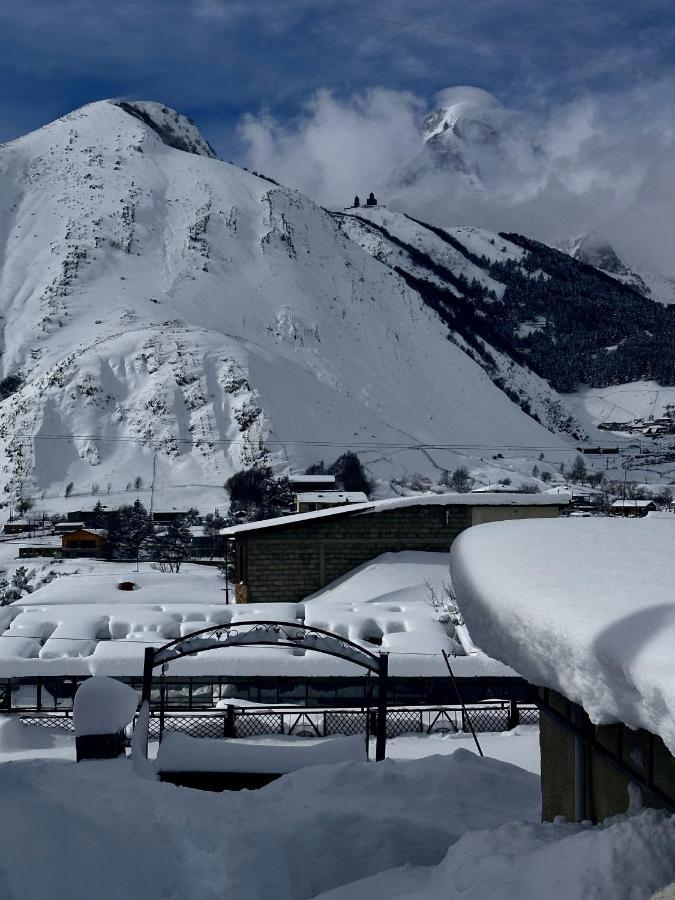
x: 471, y: 137
x: 597, y: 251
x: 171, y: 317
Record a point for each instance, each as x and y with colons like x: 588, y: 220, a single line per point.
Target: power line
x: 364, y: 445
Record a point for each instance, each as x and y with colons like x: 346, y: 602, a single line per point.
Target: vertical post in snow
x: 382, y: 689
x: 148, y: 665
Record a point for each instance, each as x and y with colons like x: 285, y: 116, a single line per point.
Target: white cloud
x: 601, y: 163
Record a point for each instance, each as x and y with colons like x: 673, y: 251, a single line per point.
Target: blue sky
x: 219, y: 59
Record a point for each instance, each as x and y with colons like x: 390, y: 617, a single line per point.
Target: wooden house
x: 85, y: 542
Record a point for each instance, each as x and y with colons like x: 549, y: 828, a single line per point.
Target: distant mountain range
x: 171, y: 317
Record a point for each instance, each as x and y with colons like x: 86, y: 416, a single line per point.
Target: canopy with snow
x: 584, y: 606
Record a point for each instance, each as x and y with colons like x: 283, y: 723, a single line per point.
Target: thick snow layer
x: 103, y: 706
x: 58, y: 630
x: 276, y: 755
x: 439, y: 827
x: 101, y: 832
x: 499, y: 498
x: 584, y: 606
x: 627, y: 857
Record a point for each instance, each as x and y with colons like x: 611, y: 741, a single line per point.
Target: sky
x: 298, y: 88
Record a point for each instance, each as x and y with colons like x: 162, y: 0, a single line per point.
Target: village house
x: 16, y: 526
x: 583, y: 610
x: 634, y: 508
x: 290, y: 557
x: 84, y: 542
x: 314, y: 500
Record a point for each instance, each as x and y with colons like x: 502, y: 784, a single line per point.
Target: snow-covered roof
x: 631, y: 504
x: 85, y: 625
x: 70, y: 526
x: 428, y: 499
x: 100, y: 532
x: 312, y: 479
x: 584, y: 606
x: 333, y: 497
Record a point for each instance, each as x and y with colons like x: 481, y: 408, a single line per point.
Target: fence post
x: 382, y: 688
x: 514, y: 715
x: 230, y: 727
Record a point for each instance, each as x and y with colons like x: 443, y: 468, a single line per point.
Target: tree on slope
x: 350, y: 474
x: 256, y: 494
x: 578, y: 472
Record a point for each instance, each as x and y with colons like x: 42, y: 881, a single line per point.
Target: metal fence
x: 324, y: 723
x: 310, y: 722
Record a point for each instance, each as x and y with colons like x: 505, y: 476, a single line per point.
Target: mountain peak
x: 455, y: 104
x: 174, y: 129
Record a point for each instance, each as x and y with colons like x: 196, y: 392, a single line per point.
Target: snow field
x: 432, y: 828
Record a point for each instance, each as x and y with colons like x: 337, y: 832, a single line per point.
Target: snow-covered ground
x: 622, y: 402
x: 582, y: 606
x: 418, y: 825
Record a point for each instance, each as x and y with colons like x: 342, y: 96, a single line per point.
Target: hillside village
x: 343, y: 536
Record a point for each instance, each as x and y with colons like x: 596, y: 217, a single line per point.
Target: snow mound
x: 305, y: 834
x: 103, y: 706
x: 584, y: 606
x: 625, y: 857
x: 278, y: 755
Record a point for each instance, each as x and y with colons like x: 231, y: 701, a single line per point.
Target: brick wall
x: 290, y: 562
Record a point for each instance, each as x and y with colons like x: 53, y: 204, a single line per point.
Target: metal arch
x: 291, y: 634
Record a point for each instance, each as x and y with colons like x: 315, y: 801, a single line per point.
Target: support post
x: 230, y: 727
x: 148, y: 665
x: 514, y: 715
x: 580, y: 769
x: 382, y: 689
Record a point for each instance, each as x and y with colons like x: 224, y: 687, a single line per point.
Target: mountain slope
x: 565, y: 320
x: 167, y: 312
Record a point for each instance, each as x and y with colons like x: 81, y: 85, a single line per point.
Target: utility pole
x: 152, y: 485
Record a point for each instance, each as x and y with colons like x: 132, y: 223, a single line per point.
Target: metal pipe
x: 465, y: 713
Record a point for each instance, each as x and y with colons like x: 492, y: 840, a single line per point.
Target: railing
x: 245, y: 722
x: 304, y: 722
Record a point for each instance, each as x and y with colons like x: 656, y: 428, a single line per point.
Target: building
x: 65, y: 526
x: 300, y: 483
x: 16, y: 526
x: 583, y: 610
x: 290, y: 557
x: 314, y: 500
x: 85, y: 542
x: 632, y: 507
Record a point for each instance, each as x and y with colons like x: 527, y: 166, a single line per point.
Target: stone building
x: 291, y: 557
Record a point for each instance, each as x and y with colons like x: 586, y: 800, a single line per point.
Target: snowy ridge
x: 448, y: 258
x: 157, y: 303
